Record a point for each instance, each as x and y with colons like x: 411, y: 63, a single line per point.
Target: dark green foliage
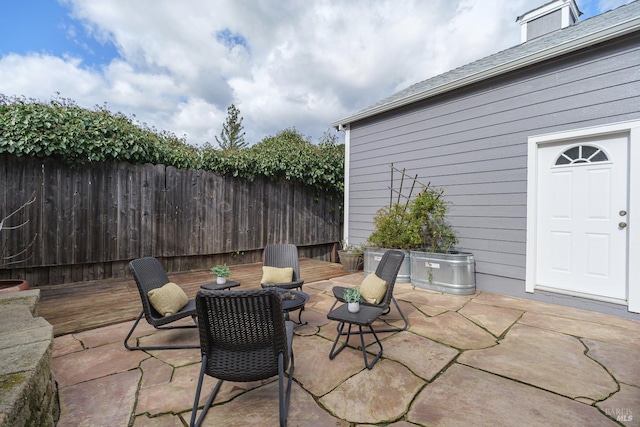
x: 232, y: 135
x: 61, y: 129
x: 418, y: 225
x: 287, y: 155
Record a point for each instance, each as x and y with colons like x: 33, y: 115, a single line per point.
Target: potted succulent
x: 221, y: 271
x: 352, y: 298
x: 351, y: 257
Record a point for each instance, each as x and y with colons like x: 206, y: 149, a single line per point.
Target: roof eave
x: 605, y: 34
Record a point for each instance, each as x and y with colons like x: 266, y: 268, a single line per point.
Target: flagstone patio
x: 481, y: 360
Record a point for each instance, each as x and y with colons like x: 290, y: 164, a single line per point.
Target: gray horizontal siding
x: 473, y: 144
x: 543, y: 25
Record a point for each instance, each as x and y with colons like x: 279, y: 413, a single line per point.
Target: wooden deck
x: 76, y: 307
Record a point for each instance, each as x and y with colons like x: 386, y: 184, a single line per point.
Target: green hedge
x: 63, y: 130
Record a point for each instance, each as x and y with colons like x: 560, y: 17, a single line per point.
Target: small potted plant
x: 221, y: 271
x: 352, y: 297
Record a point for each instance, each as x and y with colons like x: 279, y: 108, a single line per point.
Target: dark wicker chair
x: 282, y: 256
x: 149, y: 274
x: 388, y: 271
x: 244, y: 337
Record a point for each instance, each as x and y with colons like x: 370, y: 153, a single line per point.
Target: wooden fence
x: 89, y: 222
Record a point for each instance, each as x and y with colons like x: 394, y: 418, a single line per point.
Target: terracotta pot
x: 13, y: 285
x: 350, y: 261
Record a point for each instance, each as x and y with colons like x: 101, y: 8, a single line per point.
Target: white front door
x: 582, y: 216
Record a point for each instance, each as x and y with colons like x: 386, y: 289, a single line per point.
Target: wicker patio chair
x: 149, y: 274
x: 282, y: 256
x: 388, y: 271
x: 243, y: 337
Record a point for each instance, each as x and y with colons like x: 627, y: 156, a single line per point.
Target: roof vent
x: 547, y: 18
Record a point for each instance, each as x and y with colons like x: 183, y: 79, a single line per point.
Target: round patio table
x: 214, y: 286
x: 291, y: 301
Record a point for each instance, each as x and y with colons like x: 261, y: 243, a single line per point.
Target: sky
x: 178, y: 65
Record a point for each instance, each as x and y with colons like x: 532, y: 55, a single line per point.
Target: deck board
x: 80, y: 306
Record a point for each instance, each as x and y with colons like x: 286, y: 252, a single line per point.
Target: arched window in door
x: 581, y: 154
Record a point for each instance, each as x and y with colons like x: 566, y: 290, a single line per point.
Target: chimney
x: 547, y: 18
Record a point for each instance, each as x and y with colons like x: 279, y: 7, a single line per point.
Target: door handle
x: 622, y: 224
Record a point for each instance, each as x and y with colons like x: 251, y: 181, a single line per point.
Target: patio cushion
x: 276, y: 275
x: 373, y: 289
x: 168, y: 299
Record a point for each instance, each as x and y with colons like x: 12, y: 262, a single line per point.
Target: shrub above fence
x: 62, y: 130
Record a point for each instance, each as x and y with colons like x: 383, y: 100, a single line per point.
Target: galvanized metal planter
x: 452, y: 272
x: 372, y: 257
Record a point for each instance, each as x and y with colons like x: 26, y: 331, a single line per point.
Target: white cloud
x: 282, y: 63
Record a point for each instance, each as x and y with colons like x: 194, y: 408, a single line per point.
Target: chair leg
x: 177, y: 347
x: 404, y: 319
x: 333, y: 353
x: 364, y: 349
x: 209, y: 401
x: 300, y: 317
x: 284, y: 396
x: 135, y: 324
x: 198, y: 390
x: 348, y: 334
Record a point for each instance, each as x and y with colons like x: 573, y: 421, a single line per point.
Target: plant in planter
x: 221, y: 271
x: 351, y: 257
x: 435, y: 265
x: 420, y: 227
x: 352, y: 298
x: 394, y: 228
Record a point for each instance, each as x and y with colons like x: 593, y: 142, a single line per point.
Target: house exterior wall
x: 472, y: 142
x: 545, y: 24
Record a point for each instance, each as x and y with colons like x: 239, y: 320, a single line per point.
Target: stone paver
x: 66, y: 344
x: 312, y: 356
x: 155, y: 372
x: 437, y: 299
x: 494, y: 319
x: 623, y: 406
x: 361, y: 399
x: 259, y: 407
x: 464, y: 396
x: 106, y: 401
x: 182, y: 389
x: 602, y: 332
x: 554, y: 310
x: 422, y: 309
x: 455, y: 330
x: 622, y: 361
x: 113, y: 333
x: 171, y: 338
x: 181, y: 357
x: 546, y: 359
x: 95, y: 363
x: 168, y: 420
x: 422, y: 356
x: 474, y: 360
